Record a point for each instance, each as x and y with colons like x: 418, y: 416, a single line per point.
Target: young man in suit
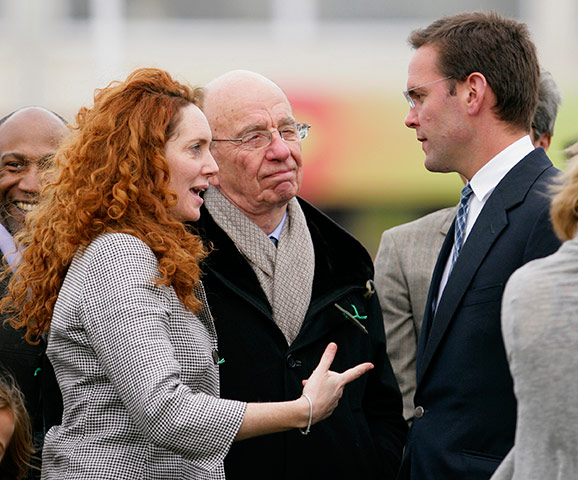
x: 29, y: 137
x: 473, y: 90
x: 407, y: 256
x: 278, y: 301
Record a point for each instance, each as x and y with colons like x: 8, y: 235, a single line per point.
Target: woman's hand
x: 325, y: 387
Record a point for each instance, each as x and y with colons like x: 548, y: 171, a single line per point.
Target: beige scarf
x: 286, y: 272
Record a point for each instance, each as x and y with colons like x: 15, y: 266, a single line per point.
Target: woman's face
x: 190, y: 162
x: 6, y: 430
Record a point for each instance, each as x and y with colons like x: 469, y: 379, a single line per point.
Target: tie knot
x: 466, y: 192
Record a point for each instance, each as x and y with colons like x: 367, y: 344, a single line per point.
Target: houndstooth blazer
x: 137, y: 373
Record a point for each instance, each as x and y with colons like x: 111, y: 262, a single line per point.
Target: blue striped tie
x: 461, y: 219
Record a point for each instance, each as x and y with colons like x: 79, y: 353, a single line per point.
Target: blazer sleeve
x: 396, y: 308
x: 126, y: 318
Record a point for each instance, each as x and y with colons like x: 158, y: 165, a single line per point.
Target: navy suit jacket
x: 464, y: 384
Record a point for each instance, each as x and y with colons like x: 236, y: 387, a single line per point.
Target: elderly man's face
x: 28, y: 140
x: 257, y: 180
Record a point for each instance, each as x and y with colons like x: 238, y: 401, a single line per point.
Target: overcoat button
x: 419, y: 411
x: 291, y: 361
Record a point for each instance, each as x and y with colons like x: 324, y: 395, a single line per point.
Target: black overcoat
x: 365, y: 435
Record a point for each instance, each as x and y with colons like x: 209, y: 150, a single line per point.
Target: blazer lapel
x: 486, y: 230
x: 432, y: 295
x: 448, y: 221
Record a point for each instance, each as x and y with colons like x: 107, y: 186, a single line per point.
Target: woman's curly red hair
x: 109, y: 175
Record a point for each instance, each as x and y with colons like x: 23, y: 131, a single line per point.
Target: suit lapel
x: 486, y: 230
x: 433, y: 294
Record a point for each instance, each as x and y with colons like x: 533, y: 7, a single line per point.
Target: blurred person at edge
x: 282, y: 281
x: 549, y: 99
x: 29, y: 137
x: 109, y: 272
x: 407, y: 256
x: 474, y: 119
x: 540, y: 329
x: 16, y: 446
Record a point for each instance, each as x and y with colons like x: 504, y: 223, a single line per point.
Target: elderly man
x: 407, y: 256
x: 283, y: 280
x: 474, y: 119
x: 29, y: 137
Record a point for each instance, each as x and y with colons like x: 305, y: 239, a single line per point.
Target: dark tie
x: 274, y: 240
x: 461, y: 219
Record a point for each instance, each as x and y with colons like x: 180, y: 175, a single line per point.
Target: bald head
x: 235, y: 91
x: 29, y: 137
x: 35, y: 111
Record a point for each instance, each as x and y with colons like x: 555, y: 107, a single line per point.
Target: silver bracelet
x: 308, y: 429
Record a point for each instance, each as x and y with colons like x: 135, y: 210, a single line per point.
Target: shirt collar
x: 488, y: 177
x: 277, y: 232
x: 7, y: 247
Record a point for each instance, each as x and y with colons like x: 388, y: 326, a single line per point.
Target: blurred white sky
x: 54, y: 57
